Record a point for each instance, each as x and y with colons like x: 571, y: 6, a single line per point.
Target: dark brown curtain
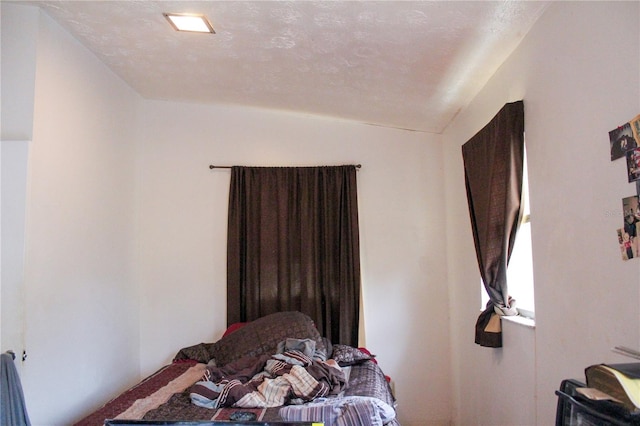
x: 293, y: 245
x: 493, y: 161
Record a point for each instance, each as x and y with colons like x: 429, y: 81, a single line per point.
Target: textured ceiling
x: 404, y: 64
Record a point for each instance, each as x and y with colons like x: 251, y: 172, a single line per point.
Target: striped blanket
x: 268, y: 381
x: 345, y: 411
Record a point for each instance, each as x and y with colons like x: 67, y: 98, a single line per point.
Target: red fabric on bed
x: 233, y: 327
x: 366, y: 351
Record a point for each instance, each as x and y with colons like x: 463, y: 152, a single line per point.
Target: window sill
x: 518, y: 319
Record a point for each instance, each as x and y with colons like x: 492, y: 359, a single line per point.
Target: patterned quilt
x: 165, y: 396
x: 298, y: 387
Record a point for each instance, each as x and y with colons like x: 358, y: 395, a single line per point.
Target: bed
x: 274, y: 369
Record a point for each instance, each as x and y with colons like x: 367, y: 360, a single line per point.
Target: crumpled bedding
x: 242, y: 355
x: 291, y: 377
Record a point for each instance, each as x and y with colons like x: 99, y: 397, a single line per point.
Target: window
x: 520, y: 270
x: 493, y: 165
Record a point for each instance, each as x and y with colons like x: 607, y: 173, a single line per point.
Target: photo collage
x: 624, y: 142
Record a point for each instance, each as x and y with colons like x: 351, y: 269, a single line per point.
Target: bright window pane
x: 520, y: 272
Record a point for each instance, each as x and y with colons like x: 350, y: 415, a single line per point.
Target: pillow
x: 347, y: 355
x: 262, y: 336
x: 233, y: 327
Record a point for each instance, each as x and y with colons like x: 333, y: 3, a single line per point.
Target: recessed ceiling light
x: 189, y: 22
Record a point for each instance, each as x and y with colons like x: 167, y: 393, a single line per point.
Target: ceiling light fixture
x: 189, y: 22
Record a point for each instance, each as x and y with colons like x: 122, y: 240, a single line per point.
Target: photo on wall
x: 621, y: 140
x: 633, y: 164
x: 631, y: 207
x: 628, y: 234
x: 635, y: 128
x: 626, y: 246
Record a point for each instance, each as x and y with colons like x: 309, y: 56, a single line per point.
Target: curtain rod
x: 211, y: 166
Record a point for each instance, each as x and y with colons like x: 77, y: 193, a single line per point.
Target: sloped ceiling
x: 402, y: 64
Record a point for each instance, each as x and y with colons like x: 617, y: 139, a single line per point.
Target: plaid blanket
x: 268, y: 381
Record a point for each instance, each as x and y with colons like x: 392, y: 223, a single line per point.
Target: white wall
x: 19, y: 36
x: 18, y: 61
x: 81, y: 303
x: 182, y: 233
x: 578, y: 71
x: 13, y: 200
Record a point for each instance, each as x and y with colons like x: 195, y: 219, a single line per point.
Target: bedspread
x: 166, y: 395
x: 364, y: 379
